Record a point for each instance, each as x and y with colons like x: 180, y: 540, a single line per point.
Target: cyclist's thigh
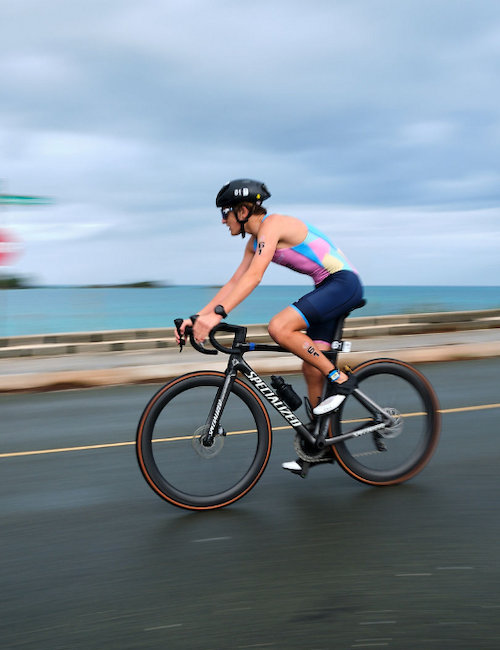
x: 287, y: 320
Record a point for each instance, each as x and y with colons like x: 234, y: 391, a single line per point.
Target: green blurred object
x: 11, y: 199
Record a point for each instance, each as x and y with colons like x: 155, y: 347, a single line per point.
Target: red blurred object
x: 10, y: 248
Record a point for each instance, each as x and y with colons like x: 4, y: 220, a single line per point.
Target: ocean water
x: 69, y: 309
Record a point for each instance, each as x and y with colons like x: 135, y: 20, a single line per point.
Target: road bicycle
x: 205, y: 438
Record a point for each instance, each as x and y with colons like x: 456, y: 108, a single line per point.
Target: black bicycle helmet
x: 242, y: 190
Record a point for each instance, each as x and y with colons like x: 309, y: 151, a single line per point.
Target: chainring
x: 306, y: 452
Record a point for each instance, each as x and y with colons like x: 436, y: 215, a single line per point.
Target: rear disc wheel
x: 397, y: 452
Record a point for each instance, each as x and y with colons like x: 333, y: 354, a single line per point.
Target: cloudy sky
x: 376, y: 120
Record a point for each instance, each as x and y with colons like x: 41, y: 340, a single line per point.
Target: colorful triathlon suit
x: 338, y: 288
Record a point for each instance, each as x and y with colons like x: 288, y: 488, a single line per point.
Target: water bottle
x: 285, y: 392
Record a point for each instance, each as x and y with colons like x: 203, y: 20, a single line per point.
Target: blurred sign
x: 10, y: 248
x: 11, y: 199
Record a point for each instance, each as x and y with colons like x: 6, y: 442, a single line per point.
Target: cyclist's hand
x: 204, y: 324
x: 187, y: 322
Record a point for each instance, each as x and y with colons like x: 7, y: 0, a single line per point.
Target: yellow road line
x: 58, y: 451
x: 110, y: 445
x: 471, y: 408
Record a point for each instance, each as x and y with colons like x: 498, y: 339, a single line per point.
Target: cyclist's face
x: 230, y: 220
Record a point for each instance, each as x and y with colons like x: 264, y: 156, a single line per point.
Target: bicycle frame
x: 237, y: 364
x: 238, y: 398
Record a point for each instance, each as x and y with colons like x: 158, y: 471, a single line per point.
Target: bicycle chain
x: 318, y: 455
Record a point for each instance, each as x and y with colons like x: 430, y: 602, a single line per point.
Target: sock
x: 333, y: 375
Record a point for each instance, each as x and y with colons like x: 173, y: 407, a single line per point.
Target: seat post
x: 339, y: 328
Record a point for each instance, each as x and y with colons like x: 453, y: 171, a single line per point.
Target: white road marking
x: 379, y: 623
x: 405, y: 575
x: 209, y: 539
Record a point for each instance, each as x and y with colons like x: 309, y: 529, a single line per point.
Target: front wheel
x: 180, y: 462
x: 392, y: 454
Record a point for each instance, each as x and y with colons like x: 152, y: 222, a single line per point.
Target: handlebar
x: 239, y: 332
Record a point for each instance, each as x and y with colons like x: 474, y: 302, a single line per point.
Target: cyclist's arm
x: 247, y: 277
x: 224, y: 291
x: 252, y: 275
x: 221, y: 295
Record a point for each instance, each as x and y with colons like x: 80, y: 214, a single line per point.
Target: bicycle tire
x: 170, y: 450
x: 409, y: 445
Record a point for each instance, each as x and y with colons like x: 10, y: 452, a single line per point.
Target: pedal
x: 303, y: 465
x: 305, y: 469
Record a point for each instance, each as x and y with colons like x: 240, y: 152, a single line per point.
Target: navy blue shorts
x: 332, y: 298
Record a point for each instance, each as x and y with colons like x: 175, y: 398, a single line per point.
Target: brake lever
x: 182, y: 341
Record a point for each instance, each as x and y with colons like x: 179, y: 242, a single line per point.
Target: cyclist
x: 300, y: 246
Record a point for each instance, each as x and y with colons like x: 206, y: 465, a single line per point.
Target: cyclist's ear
x: 241, y: 211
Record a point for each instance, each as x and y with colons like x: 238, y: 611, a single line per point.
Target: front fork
x: 212, y: 423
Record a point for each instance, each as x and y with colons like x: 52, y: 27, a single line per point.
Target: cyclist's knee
x: 276, y: 329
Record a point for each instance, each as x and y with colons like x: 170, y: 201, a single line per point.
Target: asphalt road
x: 92, y: 558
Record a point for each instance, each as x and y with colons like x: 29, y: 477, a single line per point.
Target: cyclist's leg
x: 315, y: 379
x: 317, y: 311
x: 331, y: 300
x: 286, y: 328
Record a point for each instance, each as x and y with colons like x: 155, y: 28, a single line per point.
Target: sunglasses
x: 225, y: 213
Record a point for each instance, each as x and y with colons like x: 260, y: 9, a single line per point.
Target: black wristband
x: 220, y: 311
